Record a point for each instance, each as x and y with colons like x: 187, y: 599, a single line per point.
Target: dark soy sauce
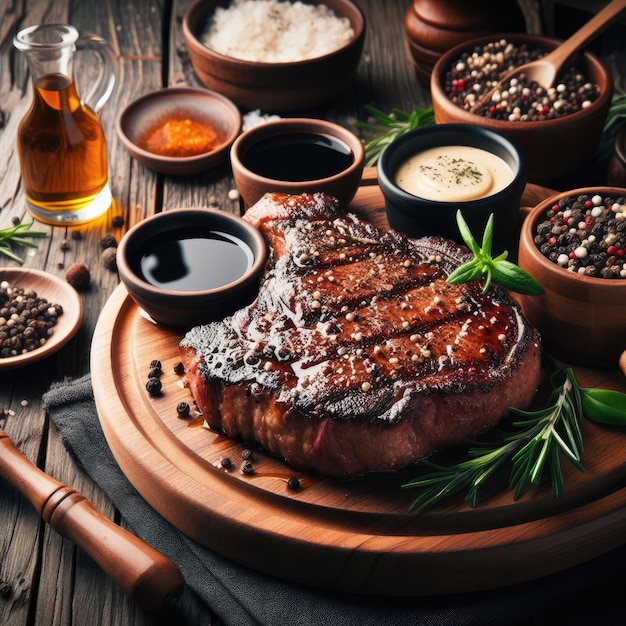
x: 298, y: 157
x: 183, y: 261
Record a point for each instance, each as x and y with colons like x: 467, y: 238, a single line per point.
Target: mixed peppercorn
x: 586, y: 234
x: 26, y: 320
x: 478, y: 70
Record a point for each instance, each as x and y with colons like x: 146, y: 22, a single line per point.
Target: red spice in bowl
x: 179, y: 130
x: 178, y: 137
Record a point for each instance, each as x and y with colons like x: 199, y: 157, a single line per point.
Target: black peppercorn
x: 226, y: 463
x: 155, y: 363
x: 154, y: 386
x: 247, y: 468
x: 246, y: 454
x: 293, y: 483
x: 179, y: 368
x: 183, y: 408
x: 155, y: 372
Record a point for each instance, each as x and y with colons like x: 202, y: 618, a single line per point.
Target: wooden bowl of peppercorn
x: 574, y: 244
x: 559, y: 133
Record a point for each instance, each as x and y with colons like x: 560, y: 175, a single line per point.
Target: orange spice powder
x: 179, y: 138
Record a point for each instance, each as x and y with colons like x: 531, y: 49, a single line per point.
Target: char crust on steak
x: 357, y: 356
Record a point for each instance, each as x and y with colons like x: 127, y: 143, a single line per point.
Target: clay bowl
x: 434, y: 26
x: 197, y: 107
x: 280, y: 86
x: 186, y: 267
x: 297, y: 155
x: 418, y: 216
x: 553, y: 148
x: 582, y: 319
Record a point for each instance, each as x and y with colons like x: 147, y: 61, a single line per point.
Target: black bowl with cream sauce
x: 465, y: 168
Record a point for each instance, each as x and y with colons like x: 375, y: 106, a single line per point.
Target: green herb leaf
x: 391, y: 126
x: 498, y: 269
x: 16, y: 235
x: 604, y: 406
x: 532, y: 446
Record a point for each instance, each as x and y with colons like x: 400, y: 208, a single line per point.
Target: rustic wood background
x: 51, y: 581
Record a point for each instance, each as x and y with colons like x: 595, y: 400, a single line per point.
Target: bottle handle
x: 102, y: 89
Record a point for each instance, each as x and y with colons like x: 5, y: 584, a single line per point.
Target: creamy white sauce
x: 454, y: 174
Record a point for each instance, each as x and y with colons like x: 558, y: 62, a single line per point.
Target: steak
x: 357, y: 356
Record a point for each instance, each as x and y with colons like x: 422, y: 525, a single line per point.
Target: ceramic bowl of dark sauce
x: 186, y: 267
x: 297, y: 155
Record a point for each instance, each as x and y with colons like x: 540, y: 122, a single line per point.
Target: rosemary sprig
x: 617, y: 113
x: 496, y: 269
x: 390, y: 126
x: 530, y: 445
x: 17, y: 235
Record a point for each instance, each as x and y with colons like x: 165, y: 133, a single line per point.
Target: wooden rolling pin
x: 140, y: 571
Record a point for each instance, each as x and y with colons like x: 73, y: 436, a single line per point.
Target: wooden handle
x: 586, y: 33
x: 140, y: 571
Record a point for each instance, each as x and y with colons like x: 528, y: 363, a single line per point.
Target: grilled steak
x: 357, y: 356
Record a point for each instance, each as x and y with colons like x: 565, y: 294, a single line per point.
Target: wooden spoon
x: 141, y: 571
x: 544, y: 70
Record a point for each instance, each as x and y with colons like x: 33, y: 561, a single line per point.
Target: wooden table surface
x: 50, y: 580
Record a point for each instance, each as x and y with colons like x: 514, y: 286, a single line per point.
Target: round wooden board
x: 350, y: 536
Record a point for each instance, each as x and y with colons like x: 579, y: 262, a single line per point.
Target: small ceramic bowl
x: 418, y: 216
x: 186, y: 267
x: 297, y: 155
x: 581, y: 319
x: 274, y: 87
x: 179, y: 130
x: 553, y: 148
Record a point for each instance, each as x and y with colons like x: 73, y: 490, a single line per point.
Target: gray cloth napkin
x: 242, y: 597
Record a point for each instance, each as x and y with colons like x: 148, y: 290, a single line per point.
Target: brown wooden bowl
x: 171, y: 301
x: 582, y: 319
x: 192, y: 104
x: 277, y: 87
x: 253, y: 183
x: 553, y: 148
x: 434, y: 26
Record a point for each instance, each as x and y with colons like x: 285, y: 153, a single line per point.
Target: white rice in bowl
x: 276, y: 31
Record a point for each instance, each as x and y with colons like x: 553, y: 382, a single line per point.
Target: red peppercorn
x: 611, y: 249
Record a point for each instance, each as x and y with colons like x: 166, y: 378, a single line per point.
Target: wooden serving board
x: 350, y: 536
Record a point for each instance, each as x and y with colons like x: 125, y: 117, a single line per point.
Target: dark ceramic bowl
x: 581, y: 319
x: 158, y: 287
x: 253, y: 183
x: 418, y: 217
x: 553, y: 148
x: 279, y: 87
x: 193, y: 105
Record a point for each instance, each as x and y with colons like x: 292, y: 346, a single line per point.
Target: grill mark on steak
x: 356, y: 328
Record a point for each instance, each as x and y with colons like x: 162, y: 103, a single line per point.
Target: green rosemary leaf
x: 533, y: 445
x: 17, y: 235
x: 390, y: 127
